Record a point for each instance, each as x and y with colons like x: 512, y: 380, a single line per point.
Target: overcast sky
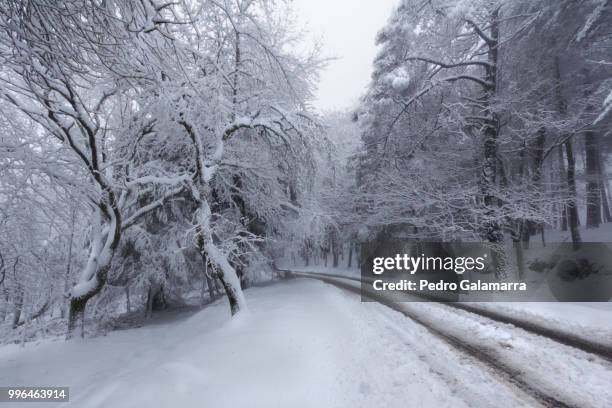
x: 347, y: 29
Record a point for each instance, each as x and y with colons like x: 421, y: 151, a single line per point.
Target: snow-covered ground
x: 589, y: 320
x: 352, y: 272
x: 302, y: 344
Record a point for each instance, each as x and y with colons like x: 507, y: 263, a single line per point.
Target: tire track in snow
x: 483, y: 354
x: 603, y: 351
x: 488, y: 388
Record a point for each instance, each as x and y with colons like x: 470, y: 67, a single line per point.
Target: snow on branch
x: 173, y: 181
x: 142, y: 211
x: 449, y: 65
x: 607, y: 108
x: 479, y: 81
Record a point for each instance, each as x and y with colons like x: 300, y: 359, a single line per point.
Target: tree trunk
x: 227, y: 276
x: 17, y: 308
x: 525, y: 236
x: 208, y: 278
x: 76, y: 316
x: 203, y: 292
x: 237, y: 62
x: 76, y: 312
x: 605, y: 204
x: 201, y: 191
x: 520, y: 259
x: 492, y: 230
x: 105, y: 237
x: 128, y: 304
x: 531, y: 228
x: 3, y: 313
x: 6, y: 303
x: 151, y: 293
x: 24, y: 332
x: 603, y: 186
x: 562, y: 178
x: 538, y: 157
x: 335, y: 253
x: 232, y: 295
x: 68, y: 263
x: 216, y: 284
x: 572, y: 209
x: 517, y: 234
x: 350, y: 255
x: 593, y: 182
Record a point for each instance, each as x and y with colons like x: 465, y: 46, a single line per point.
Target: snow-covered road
x: 303, y: 344
x: 563, y: 375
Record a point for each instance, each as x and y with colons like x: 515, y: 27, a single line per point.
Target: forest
x: 158, y: 155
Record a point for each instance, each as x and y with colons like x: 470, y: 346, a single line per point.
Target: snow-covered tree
x: 459, y: 123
